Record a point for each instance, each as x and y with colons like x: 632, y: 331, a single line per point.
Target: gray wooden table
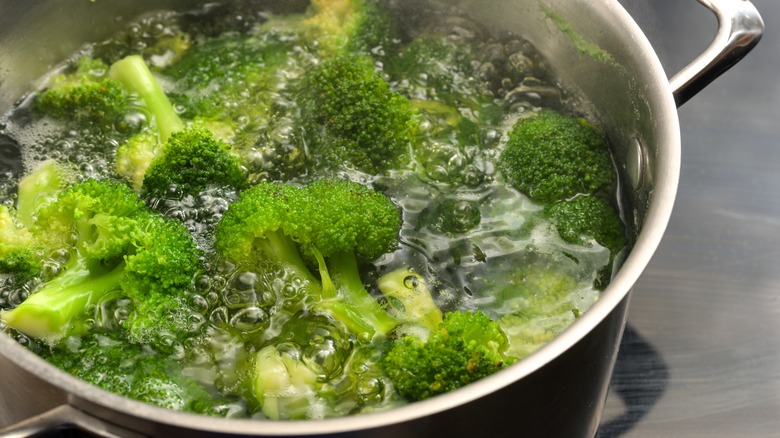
x: 701, y: 354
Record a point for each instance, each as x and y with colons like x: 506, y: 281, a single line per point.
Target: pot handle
x: 65, y: 417
x: 739, y: 29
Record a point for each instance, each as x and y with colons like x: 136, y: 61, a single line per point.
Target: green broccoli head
x: 114, y: 246
x: 86, y: 95
x: 466, y: 347
x: 128, y: 370
x: 158, y: 278
x: 551, y: 157
x: 585, y: 219
x: 357, y: 220
x: 168, y: 155
x: 191, y: 161
x: 351, y: 117
x: 333, y: 222
x: 19, y: 253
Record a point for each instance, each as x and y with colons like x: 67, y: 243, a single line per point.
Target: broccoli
x: 86, y: 95
x: 438, y: 74
x: 551, y: 157
x: 535, y: 298
x: 585, y: 219
x: 409, y: 299
x: 133, y: 73
x: 171, y: 155
x: 350, y: 26
x: 292, y: 374
x: 192, y: 160
x: 464, y: 348
x: 20, y: 254
x: 351, y: 117
x: 17, y: 248
x: 132, y: 371
x: 285, y: 223
x: 39, y: 187
x: 114, y: 246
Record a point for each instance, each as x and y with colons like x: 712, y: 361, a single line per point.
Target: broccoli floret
x: 132, y: 371
x: 351, y: 117
x: 280, y: 222
x: 18, y: 254
x: 21, y: 254
x: 192, y: 160
x: 551, y: 157
x: 86, y: 95
x: 115, y: 246
x: 465, y: 347
x: 535, y: 298
x: 585, y: 219
x: 168, y: 154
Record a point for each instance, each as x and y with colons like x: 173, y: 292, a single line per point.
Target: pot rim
x: 655, y: 222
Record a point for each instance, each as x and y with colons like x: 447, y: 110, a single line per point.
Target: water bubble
x: 250, y: 320
x: 200, y: 303
x: 219, y: 317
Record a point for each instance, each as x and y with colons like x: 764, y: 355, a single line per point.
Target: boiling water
x: 494, y: 225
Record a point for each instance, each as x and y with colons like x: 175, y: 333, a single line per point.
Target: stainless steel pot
x: 598, y: 51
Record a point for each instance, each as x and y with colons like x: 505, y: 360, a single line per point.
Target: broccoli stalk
x: 133, y: 73
x: 409, y: 299
x: 58, y: 309
x: 39, y: 187
x: 355, y: 306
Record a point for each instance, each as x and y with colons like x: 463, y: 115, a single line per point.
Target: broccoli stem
x: 409, y: 298
x: 343, y: 269
x: 133, y: 73
x: 57, y: 310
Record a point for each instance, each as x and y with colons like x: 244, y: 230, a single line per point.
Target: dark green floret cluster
x: 302, y: 211
x: 463, y: 349
x: 134, y: 372
x: 86, y: 95
x: 352, y: 116
x: 551, y: 157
